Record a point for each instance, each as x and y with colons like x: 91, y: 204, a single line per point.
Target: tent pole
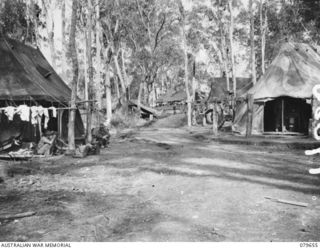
x: 60, y: 113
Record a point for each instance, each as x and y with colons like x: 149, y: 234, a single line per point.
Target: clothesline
x: 33, y: 113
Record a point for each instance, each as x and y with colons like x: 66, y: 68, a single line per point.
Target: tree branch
x: 156, y: 40
x: 140, y: 14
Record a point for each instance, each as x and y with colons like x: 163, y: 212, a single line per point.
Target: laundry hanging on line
x: 37, y: 112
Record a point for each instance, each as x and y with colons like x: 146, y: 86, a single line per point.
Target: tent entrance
x: 287, y: 115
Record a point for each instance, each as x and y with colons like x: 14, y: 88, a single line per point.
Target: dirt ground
x: 160, y: 184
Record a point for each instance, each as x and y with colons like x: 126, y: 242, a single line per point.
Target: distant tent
x: 178, y: 96
x: 27, y: 78
x: 147, y: 110
x: 173, y: 96
x: 282, y: 96
x: 219, y: 90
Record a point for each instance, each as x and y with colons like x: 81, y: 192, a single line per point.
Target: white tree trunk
x: 231, y: 50
x: 185, y: 52
x: 72, y: 112
x: 90, y: 71
x: 263, y: 30
x: 253, y: 54
x: 98, y: 57
x: 108, y: 93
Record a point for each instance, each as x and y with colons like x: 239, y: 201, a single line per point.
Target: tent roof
x: 25, y: 74
x: 294, y: 72
x: 149, y: 110
x: 173, y: 95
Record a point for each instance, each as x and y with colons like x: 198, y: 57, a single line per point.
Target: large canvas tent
x: 282, y: 96
x: 27, y: 78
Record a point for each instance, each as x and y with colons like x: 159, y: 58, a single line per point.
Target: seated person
x: 86, y: 150
x: 46, y: 143
x: 101, y: 135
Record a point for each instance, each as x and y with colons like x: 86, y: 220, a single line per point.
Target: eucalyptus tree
x: 75, y: 69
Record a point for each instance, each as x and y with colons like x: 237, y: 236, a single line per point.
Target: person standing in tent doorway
x: 46, y: 143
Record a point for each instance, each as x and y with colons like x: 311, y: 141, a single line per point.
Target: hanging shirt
x: 24, y: 112
x: 34, y: 114
x: 40, y: 111
x: 39, y: 117
x: 54, y: 111
x: 9, y: 111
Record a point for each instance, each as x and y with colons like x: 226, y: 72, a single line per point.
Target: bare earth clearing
x: 164, y: 185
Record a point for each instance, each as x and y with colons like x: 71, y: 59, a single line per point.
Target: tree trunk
x: 90, y: 71
x: 225, y: 60
x: 123, y: 98
x: 185, y: 52
x: 116, y: 86
x: 231, y: 51
x: 52, y: 47
x: 35, y: 23
x: 108, y: 93
x: 63, y: 39
x: 253, y: 55
x: 153, y: 95
x: 50, y: 32
x: 125, y: 76
x: 98, y: 56
x: 194, y: 85
x: 214, y: 120
x: 75, y: 69
x: 86, y: 78
x: 146, y: 93
x: 140, y: 94
x: 263, y: 30
x: 123, y: 85
x: 250, y: 101
x: 224, y: 51
x: 186, y: 80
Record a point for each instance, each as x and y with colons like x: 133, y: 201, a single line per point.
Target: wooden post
x: 214, y: 120
x: 59, y: 115
x: 250, y: 115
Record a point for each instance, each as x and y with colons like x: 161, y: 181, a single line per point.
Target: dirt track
x: 164, y: 185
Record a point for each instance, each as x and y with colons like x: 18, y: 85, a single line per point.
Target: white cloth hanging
x: 54, y: 111
x: 24, y: 112
x: 46, y: 117
x: 34, y: 114
x: 9, y: 111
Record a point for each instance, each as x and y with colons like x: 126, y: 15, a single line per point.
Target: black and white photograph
x: 159, y: 121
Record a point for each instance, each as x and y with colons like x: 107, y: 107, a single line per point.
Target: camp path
x: 164, y: 185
